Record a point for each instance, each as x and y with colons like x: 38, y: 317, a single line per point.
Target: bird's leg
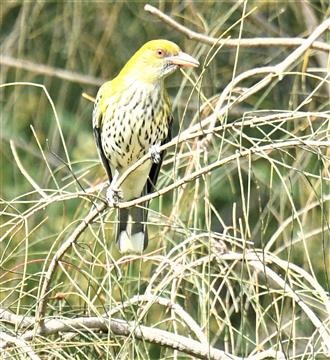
x: 154, y: 152
x: 114, y: 195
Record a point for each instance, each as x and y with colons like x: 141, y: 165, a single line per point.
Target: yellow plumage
x: 132, y: 116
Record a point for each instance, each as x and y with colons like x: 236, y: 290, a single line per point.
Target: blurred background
x: 47, y: 151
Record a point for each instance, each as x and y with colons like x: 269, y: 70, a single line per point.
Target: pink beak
x: 183, y: 59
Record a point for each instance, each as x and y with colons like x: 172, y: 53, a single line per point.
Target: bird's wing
x: 98, y: 113
x: 155, y: 168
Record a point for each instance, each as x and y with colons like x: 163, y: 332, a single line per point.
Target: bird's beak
x: 183, y: 59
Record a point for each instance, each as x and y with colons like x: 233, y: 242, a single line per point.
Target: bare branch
x: 44, y: 293
x: 152, y: 299
x: 270, y: 72
x: 141, y: 332
x: 249, y: 43
x: 260, y: 150
x: 311, y: 23
x: 22, y: 347
x: 24, y: 172
x: 50, y: 71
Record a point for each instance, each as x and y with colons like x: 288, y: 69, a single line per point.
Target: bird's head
x: 155, y: 60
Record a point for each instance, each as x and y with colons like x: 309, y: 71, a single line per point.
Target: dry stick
x: 51, y: 103
x: 256, y: 150
x: 101, y: 207
x: 177, y: 140
x: 255, y: 121
x: 154, y: 299
x: 311, y: 22
x: 90, y: 80
x: 44, y: 293
x: 291, y: 219
x: 303, y: 274
x: 24, y: 349
x: 50, y: 71
x: 249, y: 43
x: 187, y: 136
x: 258, y: 259
x: 188, y: 170
x: 271, y: 71
x: 278, y: 70
x: 24, y: 171
x: 319, y: 326
x: 141, y: 332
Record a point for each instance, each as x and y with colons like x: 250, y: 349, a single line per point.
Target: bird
x: 132, y: 116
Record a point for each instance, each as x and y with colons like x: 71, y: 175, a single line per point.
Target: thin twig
x: 24, y: 171
x: 51, y: 103
x: 311, y: 22
x: 271, y: 72
x: 249, y: 43
x: 260, y: 150
x: 154, y: 299
x: 44, y: 293
x: 22, y: 347
x: 50, y: 71
x: 183, y: 137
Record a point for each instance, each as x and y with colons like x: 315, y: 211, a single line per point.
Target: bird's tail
x: 132, y: 232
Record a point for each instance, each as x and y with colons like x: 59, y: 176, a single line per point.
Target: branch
x: 44, y: 293
x: 152, y: 299
x: 50, y: 71
x: 319, y: 326
x: 129, y: 328
x: 102, y: 206
x: 249, y: 43
x: 311, y: 22
x: 258, y: 259
x: 260, y: 150
x: 270, y: 71
x: 182, y: 137
x: 21, y: 345
x: 289, y: 220
x: 24, y: 172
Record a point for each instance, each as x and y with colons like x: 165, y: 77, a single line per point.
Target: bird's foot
x: 154, y: 152
x: 114, y: 196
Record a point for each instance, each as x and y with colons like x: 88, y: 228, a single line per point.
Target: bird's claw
x: 154, y: 152
x: 114, y: 196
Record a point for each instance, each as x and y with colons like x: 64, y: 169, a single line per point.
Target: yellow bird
x: 131, y: 117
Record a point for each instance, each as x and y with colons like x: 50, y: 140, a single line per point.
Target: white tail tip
x: 131, y: 244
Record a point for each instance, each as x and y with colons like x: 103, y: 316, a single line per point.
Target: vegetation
x: 239, y: 251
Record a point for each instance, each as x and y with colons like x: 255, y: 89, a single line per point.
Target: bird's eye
x: 160, y: 52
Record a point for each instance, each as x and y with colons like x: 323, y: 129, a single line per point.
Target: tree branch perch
x: 127, y: 328
x: 248, y: 43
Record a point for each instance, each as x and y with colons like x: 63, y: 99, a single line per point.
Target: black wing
x: 155, y: 168
x: 105, y: 161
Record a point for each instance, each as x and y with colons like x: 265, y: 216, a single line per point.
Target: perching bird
x: 131, y: 117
